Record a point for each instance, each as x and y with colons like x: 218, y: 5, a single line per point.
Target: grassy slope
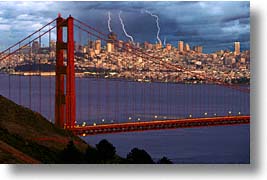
x: 21, y: 128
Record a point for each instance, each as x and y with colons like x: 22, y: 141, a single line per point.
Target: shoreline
x: 85, y: 75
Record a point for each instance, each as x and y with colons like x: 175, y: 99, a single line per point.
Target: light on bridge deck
x: 103, y: 120
x: 205, y: 113
x: 229, y: 112
x: 215, y: 114
x: 138, y: 119
x: 156, y: 116
x: 94, y: 124
x: 239, y: 113
x: 130, y: 118
x: 84, y: 123
x: 190, y: 115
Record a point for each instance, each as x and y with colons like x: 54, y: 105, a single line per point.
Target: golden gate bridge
x: 67, y: 87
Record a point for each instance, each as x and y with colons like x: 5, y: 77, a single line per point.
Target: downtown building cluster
x: 123, y: 60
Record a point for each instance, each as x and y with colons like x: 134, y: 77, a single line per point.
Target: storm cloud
x: 214, y: 25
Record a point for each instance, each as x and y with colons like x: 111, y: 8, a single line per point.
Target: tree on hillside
x: 71, y: 155
x: 165, y: 160
x: 139, y: 156
x: 92, y: 156
x: 106, y: 150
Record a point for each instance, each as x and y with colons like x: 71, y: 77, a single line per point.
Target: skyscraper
x: 237, y: 48
x: 181, y: 46
x: 187, y: 47
x: 109, y: 47
x: 98, y: 45
x: 112, y: 39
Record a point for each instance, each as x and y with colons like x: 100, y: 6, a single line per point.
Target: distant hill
x: 27, y: 137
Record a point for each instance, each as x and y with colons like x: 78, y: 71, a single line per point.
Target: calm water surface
x: 108, y: 101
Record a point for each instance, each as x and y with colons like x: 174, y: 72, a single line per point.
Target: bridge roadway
x: 159, y: 125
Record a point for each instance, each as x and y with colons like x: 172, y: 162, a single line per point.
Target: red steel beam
x: 160, y: 124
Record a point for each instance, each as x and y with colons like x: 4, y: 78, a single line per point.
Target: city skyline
x: 225, y: 23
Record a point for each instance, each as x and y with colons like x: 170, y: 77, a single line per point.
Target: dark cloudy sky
x: 214, y: 25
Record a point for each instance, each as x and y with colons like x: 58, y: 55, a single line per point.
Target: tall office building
x: 112, y: 39
x: 237, y: 48
x: 181, y: 46
x: 109, y: 47
x: 97, y: 46
x: 187, y: 47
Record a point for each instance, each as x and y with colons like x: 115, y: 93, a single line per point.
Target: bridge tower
x: 65, y: 100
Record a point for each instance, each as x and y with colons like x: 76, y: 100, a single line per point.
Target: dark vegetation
x: 105, y: 153
x: 22, y: 129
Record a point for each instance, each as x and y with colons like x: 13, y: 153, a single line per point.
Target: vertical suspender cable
x: 79, y: 78
x: 144, y: 91
x: 88, y: 87
x: 126, y: 93
x: 88, y: 97
x: 133, y: 96
x: 159, y: 87
x: 9, y: 78
x: 150, y: 102
x: 19, y: 79
x: 117, y: 94
x: 106, y: 95
x: 30, y: 78
x: 98, y: 96
x: 40, y: 77
x: 50, y: 76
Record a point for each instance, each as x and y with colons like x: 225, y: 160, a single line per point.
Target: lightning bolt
x: 157, y: 21
x: 123, y: 28
x: 109, y: 19
x: 164, y: 42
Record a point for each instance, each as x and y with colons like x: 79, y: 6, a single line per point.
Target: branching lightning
x: 157, y: 21
x: 123, y: 28
x: 109, y: 19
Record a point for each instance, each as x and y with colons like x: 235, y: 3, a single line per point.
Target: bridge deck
x: 159, y: 124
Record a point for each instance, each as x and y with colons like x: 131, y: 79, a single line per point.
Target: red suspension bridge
x: 148, y: 106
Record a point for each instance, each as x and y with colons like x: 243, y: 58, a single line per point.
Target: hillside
x: 27, y: 137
